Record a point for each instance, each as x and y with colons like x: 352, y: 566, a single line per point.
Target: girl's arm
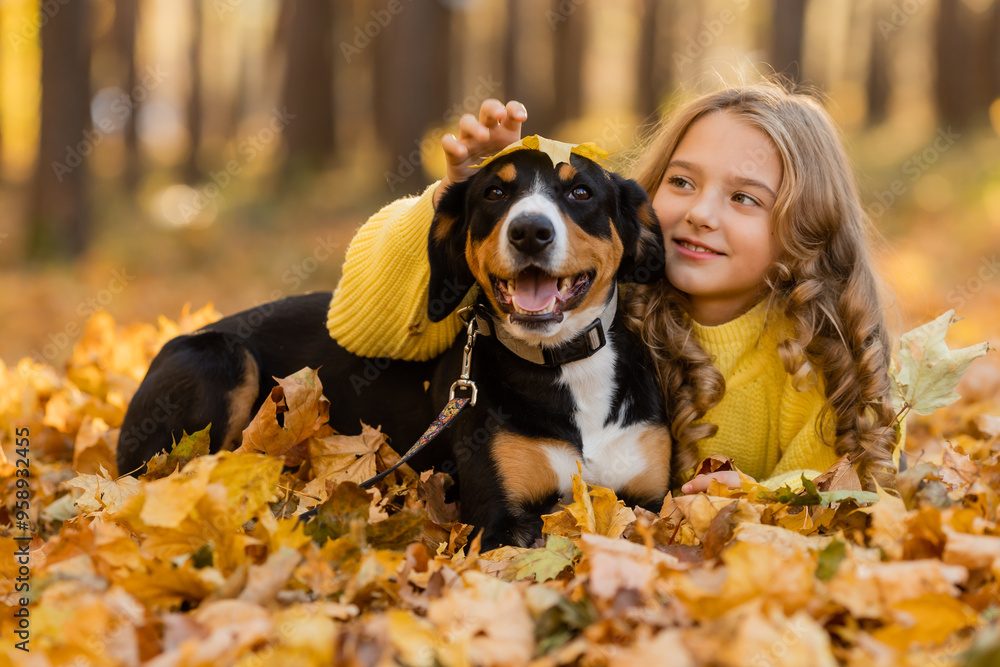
x: 379, y: 309
x: 803, y: 450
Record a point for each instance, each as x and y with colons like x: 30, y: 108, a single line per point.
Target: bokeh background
x: 158, y: 152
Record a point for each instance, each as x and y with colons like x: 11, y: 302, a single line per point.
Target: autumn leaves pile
x: 202, y: 561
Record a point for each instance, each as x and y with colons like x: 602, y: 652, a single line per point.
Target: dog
x: 558, y: 377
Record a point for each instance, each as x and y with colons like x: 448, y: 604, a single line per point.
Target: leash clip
x: 463, y: 381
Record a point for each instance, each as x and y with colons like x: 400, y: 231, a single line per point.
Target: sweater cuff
x: 791, y: 479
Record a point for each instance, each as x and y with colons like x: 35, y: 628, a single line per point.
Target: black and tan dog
x: 559, y: 378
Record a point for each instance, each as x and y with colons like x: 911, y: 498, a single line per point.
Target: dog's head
x: 547, y: 244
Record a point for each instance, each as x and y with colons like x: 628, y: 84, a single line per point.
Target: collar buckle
x: 586, y: 343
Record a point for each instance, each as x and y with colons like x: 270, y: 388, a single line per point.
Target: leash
x: 481, y: 323
x: 451, y: 409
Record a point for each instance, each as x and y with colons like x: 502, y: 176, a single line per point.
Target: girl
x: 769, y: 336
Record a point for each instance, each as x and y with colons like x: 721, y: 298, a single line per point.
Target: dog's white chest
x: 611, y: 452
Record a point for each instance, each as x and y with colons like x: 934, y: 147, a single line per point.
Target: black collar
x: 582, y: 346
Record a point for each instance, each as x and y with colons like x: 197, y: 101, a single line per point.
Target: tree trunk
x: 511, y: 80
x: 787, y: 26
x: 654, y: 71
x: 59, y: 221
x: 993, y: 53
x: 878, y: 83
x: 528, y: 61
x: 412, y: 54
x: 956, y: 76
x: 192, y: 172
x: 126, y: 21
x: 570, y: 40
x: 309, y: 84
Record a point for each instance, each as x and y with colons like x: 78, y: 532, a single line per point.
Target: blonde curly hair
x: 824, y: 282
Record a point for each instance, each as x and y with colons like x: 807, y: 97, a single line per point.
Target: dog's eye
x: 579, y: 193
x: 494, y: 193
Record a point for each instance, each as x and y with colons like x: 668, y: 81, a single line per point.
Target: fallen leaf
x: 347, y: 458
x: 545, y: 563
x: 927, y: 371
x: 299, y: 400
x: 925, y: 620
x: 187, y: 448
x: 594, y: 509
x: 101, y: 493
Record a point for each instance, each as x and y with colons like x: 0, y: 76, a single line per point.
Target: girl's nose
x: 703, y: 212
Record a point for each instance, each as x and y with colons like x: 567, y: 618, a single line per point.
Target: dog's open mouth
x: 535, y: 296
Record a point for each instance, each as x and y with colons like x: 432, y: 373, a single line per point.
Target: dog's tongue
x: 534, y: 290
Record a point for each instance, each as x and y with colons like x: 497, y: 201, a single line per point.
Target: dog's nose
x: 531, y: 234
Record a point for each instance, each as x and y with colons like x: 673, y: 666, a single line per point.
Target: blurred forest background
x: 157, y: 152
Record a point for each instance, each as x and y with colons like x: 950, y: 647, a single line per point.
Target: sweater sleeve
x: 379, y: 308
x: 804, y: 450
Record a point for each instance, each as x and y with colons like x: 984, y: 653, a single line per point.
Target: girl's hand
x: 497, y: 127
x: 700, y: 483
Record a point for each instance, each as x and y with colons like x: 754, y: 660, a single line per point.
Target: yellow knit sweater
x: 771, y: 431
x: 379, y: 309
x: 767, y: 427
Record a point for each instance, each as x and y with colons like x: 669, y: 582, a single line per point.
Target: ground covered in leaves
x: 203, y: 562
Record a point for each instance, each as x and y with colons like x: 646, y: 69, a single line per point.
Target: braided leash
x: 451, y: 408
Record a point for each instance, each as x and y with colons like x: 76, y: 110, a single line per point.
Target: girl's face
x: 714, y: 206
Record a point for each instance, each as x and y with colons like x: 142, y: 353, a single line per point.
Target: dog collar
x: 585, y: 344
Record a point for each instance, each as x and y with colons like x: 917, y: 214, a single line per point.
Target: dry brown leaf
x: 958, y: 470
x: 816, y: 585
x: 615, y: 565
x: 926, y: 620
x: 971, y: 551
x: 93, y: 448
x: 101, y: 493
x: 299, y: 400
x: 594, y: 509
x: 347, y: 458
x: 841, y: 476
x: 264, y: 582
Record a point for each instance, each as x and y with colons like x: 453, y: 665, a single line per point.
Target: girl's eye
x: 745, y: 199
x: 679, y: 182
x: 494, y: 193
x: 579, y: 193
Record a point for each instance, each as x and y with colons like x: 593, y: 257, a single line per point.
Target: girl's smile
x: 714, y: 206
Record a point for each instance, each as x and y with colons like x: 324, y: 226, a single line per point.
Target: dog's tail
x: 204, y: 378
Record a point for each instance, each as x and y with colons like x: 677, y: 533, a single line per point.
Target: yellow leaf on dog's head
x: 558, y: 151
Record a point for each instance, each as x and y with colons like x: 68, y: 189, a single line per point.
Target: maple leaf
x: 100, y: 492
x: 264, y: 582
x: 545, y: 563
x: 183, y: 451
x: 171, y: 499
x: 616, y: 565
x: 928, y: 619
x: 927, y: 371
x: 299, y: 399
x: 594, y: 509
x: 92, y: 449
x: 558, y: 151
x: 250, y: 481
x: 349, y: 458
x: 841, y: 476
x: 972, y: 551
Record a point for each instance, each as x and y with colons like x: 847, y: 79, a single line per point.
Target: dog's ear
x: 450, y: 275
x: 643, y: 258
